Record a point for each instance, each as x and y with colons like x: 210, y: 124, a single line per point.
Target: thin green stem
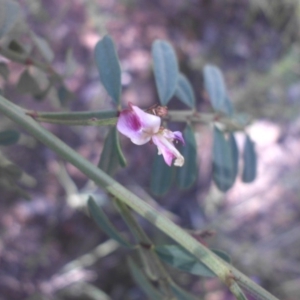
x: 228, y: 274
x: 149, y: 258
x: 81, y: 115
x: 191, y: 116
x: 133, y: 225
x: 84, y: 118
x: 91, y: 122
x: 87, y: 118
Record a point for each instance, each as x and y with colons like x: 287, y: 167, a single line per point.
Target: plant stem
x: 152, y: 264
x: 228, y: 274
x: 134, y: 226
x: 75, y: 116
x: 91, y: 122
x: 191, y: 116
x: 86, y: 118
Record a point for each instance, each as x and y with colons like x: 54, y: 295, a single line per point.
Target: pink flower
x: 142, y: 127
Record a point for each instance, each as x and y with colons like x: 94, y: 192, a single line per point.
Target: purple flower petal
x: 150, y: 123
x: 137, y: 125
x: 168, y: 150
x: 171, y: 136
x: 178, y: 137
x: 128, y: 123
x: 140, y: 127
x: 168, y: 157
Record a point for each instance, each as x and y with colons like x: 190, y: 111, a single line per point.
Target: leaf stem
x: 85, y: 118
x: 91, y: 122
x: 81, y: 115
x: 191, y: 116
x: 94, y: 118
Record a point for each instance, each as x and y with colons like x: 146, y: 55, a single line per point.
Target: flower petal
x: 168, y: 150
x: 128, y: 121
x: 130, y: 125
x: 150, y: 123
x: 138, y: 125
x: 173, y: 135
x: 178, y: 137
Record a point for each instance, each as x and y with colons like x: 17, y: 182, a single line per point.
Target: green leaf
x: 10, y: 14
x: 104, y: 223
x: 112, y: 155
x: 222, y: 255
x: 165, y: 70
x: 142, y: 281
x: 184, y: 91
x: 12, y: 171
x: 161, y: 176
x: 17, y: 47
x: 64, y: 95
x: 109, y: 67
x: 250, y: 161
x: 187, y: 174
x: 224, y: 161
x: 216, y: 89
x: 234, y: 153
x: 9, y: 137
x: 70, y: 63
x: 147, y: 258
x: 178, y: 257
x: 81, y: 290
x: 43, y: 47
x: 27, y: 84
x: 180, y: 293
x: 4, y: 72
x: 43, y: 93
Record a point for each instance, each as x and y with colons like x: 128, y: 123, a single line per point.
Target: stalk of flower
x: 142, y: 127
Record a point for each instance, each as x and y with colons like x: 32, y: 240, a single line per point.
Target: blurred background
x: 50, y: 248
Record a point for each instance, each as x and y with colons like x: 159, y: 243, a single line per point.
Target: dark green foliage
x: 143, y: 282
x: 104, y: 223
x: 9, y: 137
x: 249, y: 158
x: 216, y: 89
x: 27, y: 84
x: 179, y: 258
x: 9, y: 15
x: 64, y: 95
x: 234, y: 153
x: 187, y: 174
x: 165, y: 70
x: 180, y: 293
x: 109, y: 67
x: 225, y: 157
x: 4, y: 72
x: 184, y: 91
x: 161, y: 176
x: 112, y: 156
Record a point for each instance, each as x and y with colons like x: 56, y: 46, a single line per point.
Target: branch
x: 227, y: 273
x: 88, y: 118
